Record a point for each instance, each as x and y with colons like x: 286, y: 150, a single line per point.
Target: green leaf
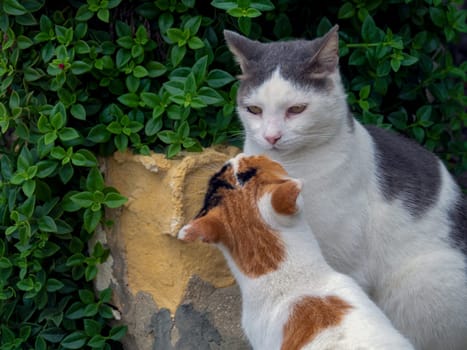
x: 91, y: 270
x: 195, y: 43
x: 53, y: 334
x: 99, y: 134
x: 91, y: 220
x: 437, y: 16
x: 190, y: 84
x: 210, y: 96
x: 132, y: 83
x: 50, y: 137
x: 224, y: 4
x: 118, y: 332
x: 368, y: 29
x: 31, y: 74
x: 75, y: 260
x: 54, y: 285
x: 58, y: 120
x: 418, y: 133
x: 114, y: 200
x: 140, y: 72
x: 5, y: 263
x: 193, y: 24
x: 236, y: 12
x: 252, y: 13
x: 155, y: 69
x: 103, y: 15
x: 91, y: 309
x: 85, y: 158
x: 121, y: 142
x: 83, y: 13
x: 83, y: 199
x: 262, y: 5
x: 47, y: 224
x: 176, y: 55
x: 153, y: 126
x: 80, y: 67
x: 78, y: 111
x: 346, y: 11
x: 424, y: 113
x: 68, y: 134
x: 130, y: 99
x: 123, y: 57
x: 40, y: 344
x: 176, y: 35
x: 45, y: 168
x: 141, y: 35
x: 91, y: 328
x: 218, y: 78
x: 173, y: 150
x: 66, y: 173
x: 199, y: 70
x: 244, y: 23
x: 86, y: 296
x: 125, y: 42
x: 25, y: 284
x: 168, y: 136
x: 14, y: 8
x: 95, y: 180
x: 395, y: 64
x: 97, y: 341
x: 150, y: 99
x: 365, y: 92
x: 409, y: 60
x: 29, y: 187
x: 75, y: 340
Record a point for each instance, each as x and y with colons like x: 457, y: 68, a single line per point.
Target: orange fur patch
x: 284, y: 198
x: 309, y: 317
x: 255, y: 248
x: 231, y: 216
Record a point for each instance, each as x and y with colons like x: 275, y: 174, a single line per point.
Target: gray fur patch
x: 458, y: 218
x: 292, y: 57
x: 350, y: 121
x: 406, y: 170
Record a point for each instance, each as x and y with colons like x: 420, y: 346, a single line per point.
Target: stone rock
x: 171, y: 295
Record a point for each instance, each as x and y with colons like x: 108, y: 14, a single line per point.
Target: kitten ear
x: 206, y: 228
x: 284, y: 197
x: 326, y: 58
x: 242, y: 48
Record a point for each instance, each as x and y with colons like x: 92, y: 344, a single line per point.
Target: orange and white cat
x: 292, y: 299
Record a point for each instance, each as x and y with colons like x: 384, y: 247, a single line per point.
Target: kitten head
x: 246, y: 204
x: 290, y: 92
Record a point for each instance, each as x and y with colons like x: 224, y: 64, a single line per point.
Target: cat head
x: 246, y: 204
x: 290, y: 92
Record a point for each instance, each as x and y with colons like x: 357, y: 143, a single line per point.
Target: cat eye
x: 297, y: 109
x: 254, y: 110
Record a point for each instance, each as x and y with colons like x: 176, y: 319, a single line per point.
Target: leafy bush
x: 79, y: 80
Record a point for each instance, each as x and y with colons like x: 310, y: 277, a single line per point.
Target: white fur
x: 267, y: 300
x: 405, y: 264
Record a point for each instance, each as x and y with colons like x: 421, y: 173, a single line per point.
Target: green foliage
x: 83, y: 79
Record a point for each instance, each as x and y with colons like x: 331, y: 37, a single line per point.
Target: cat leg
x: 426, y: 299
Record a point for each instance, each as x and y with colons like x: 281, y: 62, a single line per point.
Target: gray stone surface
x: 207, y: 319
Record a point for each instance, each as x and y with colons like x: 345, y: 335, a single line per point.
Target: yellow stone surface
x: 162, y: 196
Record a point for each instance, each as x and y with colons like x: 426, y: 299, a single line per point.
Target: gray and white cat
x: 384, y: 210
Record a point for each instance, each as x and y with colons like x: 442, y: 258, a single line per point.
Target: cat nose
x: 272, y: 139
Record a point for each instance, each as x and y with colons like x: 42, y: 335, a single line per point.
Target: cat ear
x: 326, y: 58
x: 242, y: 48
x: 284, y: 197
x: 206, y: 228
